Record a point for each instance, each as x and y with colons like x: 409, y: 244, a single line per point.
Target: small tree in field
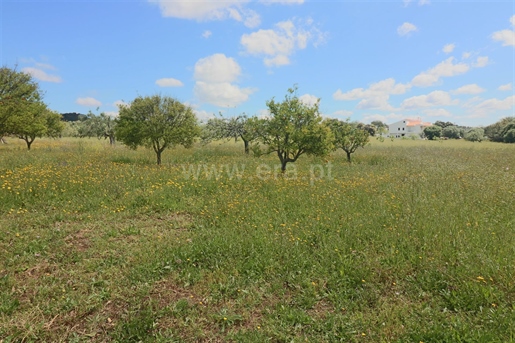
x: 293, y: 129
x: 433, y: 132
x: 101, y: 126
x: 475, y: 135
x: 229, y: 128
x: 347, y: 136
x: 156, y: 122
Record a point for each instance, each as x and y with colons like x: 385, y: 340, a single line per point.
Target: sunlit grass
x: 413, y: 242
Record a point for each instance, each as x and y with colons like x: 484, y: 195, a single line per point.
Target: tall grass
x: 413, y: 242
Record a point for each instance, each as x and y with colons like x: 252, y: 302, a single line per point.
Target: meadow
x: 412, y: 242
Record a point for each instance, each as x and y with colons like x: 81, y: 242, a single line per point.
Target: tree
x: 508, y: 133
x: 101, y: 126
x: 156, y: 122
x: 474, y: 135
x: 22, y: 111
x: 229, y: 128
x: 347, y: 136
x: 452, y: 132
x: 17, y: 91
x: 495, y: 131
x: 442, y: 124
x: 432, y: 132
x: 293, y: 129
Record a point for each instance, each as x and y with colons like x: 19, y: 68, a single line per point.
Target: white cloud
x: 277, y: 44
x: 444, y: 69
x: 496, y: 104
x: 469, y: 89
x: 169, y: 82
x: 90, y: 102
x: 209, y: 10
x: 506, y: 87
x: 217, y: 68
x: 308, y: 99
x: 436, y: 98
x: 206, y: 34
x: 342, y: 113
x: 466, y: 55
x: 202, y: 115
x: 406, y: 2
x: 507, y: 37
x: 388, y: 118
x: 439, y: 112
x: 481, y: 62
x: 41, y: 75
x: 376, y: 96
x: 406, y: 28
x: 215, y: 76
x: 119, y: 103
x: 448, y: 48
x: 424, y: 2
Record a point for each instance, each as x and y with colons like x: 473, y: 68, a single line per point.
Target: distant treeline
x: 73, y: 116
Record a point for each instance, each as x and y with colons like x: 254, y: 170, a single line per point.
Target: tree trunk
x: 283, y: 166
x: 158, y: 153
x: 2, y: 140
x: 348, y: 156
x: 111, y: 140
x: 247, y: 148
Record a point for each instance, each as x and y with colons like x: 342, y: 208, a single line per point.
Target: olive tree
x: 475, y: 135
x: 229, y: 128
x: 293, y: 128
x: 22, y: 111
x: 156, y: 122
x: 433, y: 132
x: 348, y: 136
x: 101, y: 126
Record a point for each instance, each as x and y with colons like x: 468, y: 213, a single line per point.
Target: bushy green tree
x: 22, y: 110
x: 495, y: 133
x: 347, y: 136
x: 475, y: 135
x: 101, y: 126
x: 228, y: 128
x: 156, y: 122
x: 452, y: 132
x: 443, y: 125
x: 433, y: 132
x: 293, y: 129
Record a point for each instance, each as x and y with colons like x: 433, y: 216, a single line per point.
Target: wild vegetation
x: 412, y: 242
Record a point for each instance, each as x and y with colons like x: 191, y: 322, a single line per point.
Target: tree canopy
x: 22, y: 110
x: 347, y: 136
x: 156, y: 122
x: 101, y: 126
x: 433, y: 132
x: 294, y: 128
x: 229, y: 128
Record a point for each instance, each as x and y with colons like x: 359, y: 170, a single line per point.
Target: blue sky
x: 375, y: 60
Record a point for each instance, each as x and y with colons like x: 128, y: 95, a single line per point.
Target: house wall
x: 401, y: 129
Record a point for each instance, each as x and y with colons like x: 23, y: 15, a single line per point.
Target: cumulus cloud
x: 209, y: 10
x: 424, y: 2
x: 169, y: 82
x: 496, y: 104
x: 446, y: 68
x: 215, y: 77
x: 506, y: 87
x: 469, y: 89
x: 376, y: 96
x: 89, y: 102
x: 406, y: 28
x: 436, y: 98
x: 41, y: 75
x: 481, y: 62
x: 206, y: 34
x: 506, y: 37
x: 388, y: 118
x: 342, y: 113
x: 308, y: 99
x: 277, y: 44
x: 448, y: 48
x: 437, y: 112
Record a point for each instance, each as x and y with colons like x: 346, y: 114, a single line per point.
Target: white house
x: 407, y: 127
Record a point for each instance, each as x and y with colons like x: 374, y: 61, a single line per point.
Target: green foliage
x: 347, y: 136
x: 508, y: 133
x: 475, y: 135
x: 433, y: 132
x: 220, y: 128
x: 496, y: 132
x: 293, y: 129
x: 101, y: 126
x: 443, y: 125
x: 452, y: 132
x: 156, y: 122
x: 22, y: 112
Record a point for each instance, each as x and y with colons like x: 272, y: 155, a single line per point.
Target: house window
x: 402, y: 129
x: 398, y: 129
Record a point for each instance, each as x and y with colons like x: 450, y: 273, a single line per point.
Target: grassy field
x: 413, y: 242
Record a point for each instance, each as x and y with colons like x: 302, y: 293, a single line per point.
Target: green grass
x: 413, y: 242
